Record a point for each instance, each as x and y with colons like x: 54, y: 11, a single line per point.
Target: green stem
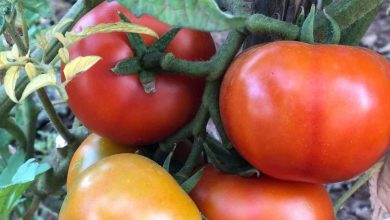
x: 191, y: 161
x: 16, y: 132
x: 214, y: 68
x: 30, y: 117
x: 20, y: 11
x: 259, y: 24
x: 359, y: 183
x: 54, y: 118
x: 16, y: 38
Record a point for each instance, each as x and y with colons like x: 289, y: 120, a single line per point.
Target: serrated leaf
x: 64, y: 55
x: 121, y: 26
x: 38, y: 82
x: 30, y: 69
x: 79, y: 65
x: 10, y: 78
x: 191, y: 182
x: 202, y: 15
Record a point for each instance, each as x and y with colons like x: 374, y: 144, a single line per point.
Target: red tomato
x: 116, y: 106
x: 315, y: 113
x: 228, y: 197
x: 130, y: 187
x: 93, y: 149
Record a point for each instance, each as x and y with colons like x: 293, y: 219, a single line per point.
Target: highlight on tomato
x: 313, y: 113
x: 229, y: 197
x: 90, y: 151
x: 116, y: 106
x: 127, y: 186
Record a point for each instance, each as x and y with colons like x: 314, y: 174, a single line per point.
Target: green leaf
x: 191, y: 182
x: 79, y: 65
x: 13, y: 163
x: 38, y: 82
x: 10, y: 78
x: 196, y: 14
x: 307, y: 30
x: 15, y: 179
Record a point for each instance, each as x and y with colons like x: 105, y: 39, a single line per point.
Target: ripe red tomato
x: 228, y: 197
x: 315, y: 113
x: 93, y: 149
x: 127, y: 186
x: 116, y: 106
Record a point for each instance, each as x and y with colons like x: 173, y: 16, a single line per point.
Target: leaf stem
x: 30, y: 117
x: 191, y: 161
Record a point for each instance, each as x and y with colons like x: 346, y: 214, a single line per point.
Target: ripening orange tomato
x: 127, y: 186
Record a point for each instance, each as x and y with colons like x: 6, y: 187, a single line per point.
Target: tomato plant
x: 93, y: 149
x: 116, y: 106
x: 315, y: 113
x: 127, y: 185
x: 230, y: 197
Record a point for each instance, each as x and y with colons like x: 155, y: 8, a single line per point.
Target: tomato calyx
x: 146, y: 59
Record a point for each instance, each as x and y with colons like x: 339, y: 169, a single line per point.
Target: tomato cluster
x: 304, y: 114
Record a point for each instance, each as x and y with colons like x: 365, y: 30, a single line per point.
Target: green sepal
x: 127, y: 66
x: 136, y: 42
x: 148, y: 80
x: 334, y: 31
x: 307, y: 30
x: 163, y: 43
x: 225, y: 160
x: 191, y: 182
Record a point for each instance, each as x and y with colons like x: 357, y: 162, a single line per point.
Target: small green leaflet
x: 15, y: 179
x: 202, y: 15
x: 38, y: 82
x: 10, y: 78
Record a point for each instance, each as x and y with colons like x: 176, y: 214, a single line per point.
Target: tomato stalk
x: 30, y: 117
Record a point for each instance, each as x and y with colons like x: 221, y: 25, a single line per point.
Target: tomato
x: 228, y: 197
x: 315, y: 113
x: 116, y: 106
x: 127, y: 186
x: 93, y: 149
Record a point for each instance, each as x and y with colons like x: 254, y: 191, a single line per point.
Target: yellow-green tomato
x: 127, y: 187
x: 93, y: 149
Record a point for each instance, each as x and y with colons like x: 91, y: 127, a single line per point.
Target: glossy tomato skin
x: 116, y: 106
x: 230, y: 197
x: 90, y: 151
x: 127, y: 186
x: 303, y: 112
